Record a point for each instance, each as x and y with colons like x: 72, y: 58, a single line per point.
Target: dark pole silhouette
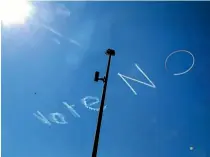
x: 110, y: 53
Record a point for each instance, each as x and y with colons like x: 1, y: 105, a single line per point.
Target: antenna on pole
x: 110, y: 53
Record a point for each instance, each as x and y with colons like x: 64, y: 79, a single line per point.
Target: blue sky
x: 52, y: 59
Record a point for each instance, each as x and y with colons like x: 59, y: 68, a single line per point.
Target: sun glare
x: 15, y: 11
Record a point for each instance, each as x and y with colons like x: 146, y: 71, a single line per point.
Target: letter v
x: 123, y: 78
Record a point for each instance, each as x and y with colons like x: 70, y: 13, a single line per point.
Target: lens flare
x: 15, y: 11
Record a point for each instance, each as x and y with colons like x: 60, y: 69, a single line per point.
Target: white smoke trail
x: 152, y: 85
x: 185, y: 51
x: 71, y: 109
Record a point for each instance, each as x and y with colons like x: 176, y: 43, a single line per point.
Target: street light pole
x: 110, y: 53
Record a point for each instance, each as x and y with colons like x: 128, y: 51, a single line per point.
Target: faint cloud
x: 52, y: 30
x: 56, y: 41
x: 74, y: 42
x: 44, y: 12
x: 63, y: 11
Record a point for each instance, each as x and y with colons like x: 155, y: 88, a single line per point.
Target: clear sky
x: 48, y: 64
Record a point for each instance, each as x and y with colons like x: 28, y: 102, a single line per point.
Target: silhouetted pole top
x: 110, y: 53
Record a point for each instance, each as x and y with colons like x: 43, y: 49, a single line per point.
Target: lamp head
x: 96, y: 78
x: 110, y: 52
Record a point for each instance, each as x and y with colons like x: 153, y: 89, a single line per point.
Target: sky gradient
x: 50, y: 61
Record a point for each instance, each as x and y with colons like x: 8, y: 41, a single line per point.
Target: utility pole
x: 110, y: 53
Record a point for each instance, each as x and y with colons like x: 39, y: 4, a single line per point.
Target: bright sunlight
x: 15, y: 11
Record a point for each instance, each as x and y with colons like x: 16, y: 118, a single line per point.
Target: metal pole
x: 111, y: 53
